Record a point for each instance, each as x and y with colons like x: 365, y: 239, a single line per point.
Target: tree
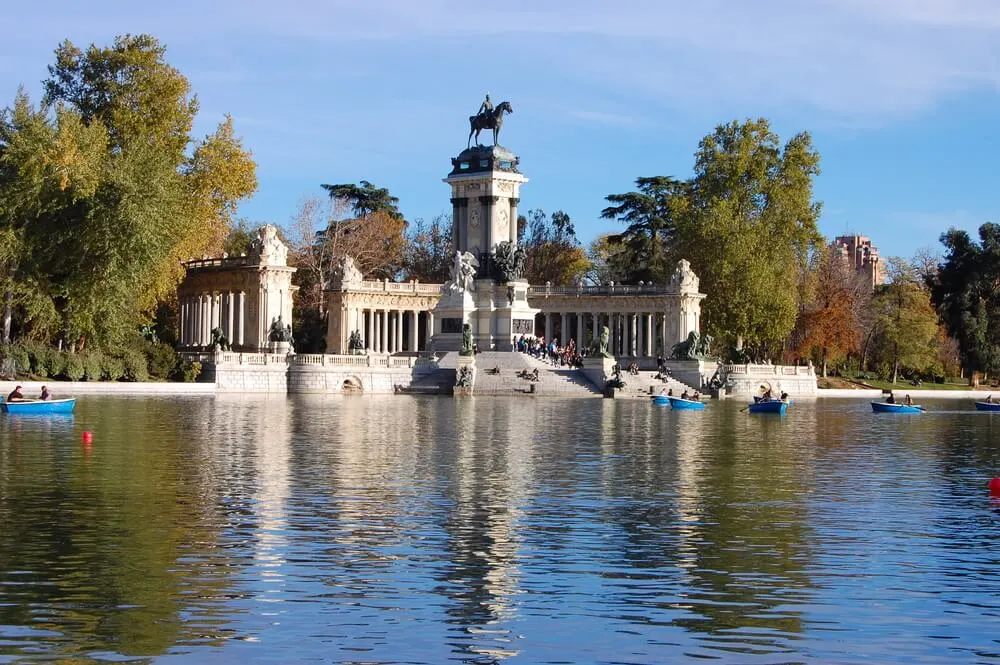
x: 906, y: 320
x: 966, y: 291
x: 101, y: 195
x: 608, y: 260
x: 365, y: 199
x: 749, y: 230
x: 428, y: 253
x: 650, y: 215
x: 553, y: 253
x: 830, y: 321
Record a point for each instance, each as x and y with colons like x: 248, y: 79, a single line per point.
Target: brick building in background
x: 859, y: 253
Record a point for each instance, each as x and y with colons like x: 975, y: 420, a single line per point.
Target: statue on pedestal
x: 695, y: 347
x: 488, y: 118
x: 599, y: 347
x: 467, y: 343
x: 463, y: 273
x: 509, y: 261
x: 354, y: 344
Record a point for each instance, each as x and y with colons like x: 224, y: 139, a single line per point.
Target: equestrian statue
x: 488, y: 118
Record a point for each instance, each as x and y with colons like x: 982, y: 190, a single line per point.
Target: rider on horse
x: 486, y: 108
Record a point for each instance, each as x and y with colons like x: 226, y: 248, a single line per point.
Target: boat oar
x: 745, y: 408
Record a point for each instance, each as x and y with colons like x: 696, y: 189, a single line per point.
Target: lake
x: 428, y: 530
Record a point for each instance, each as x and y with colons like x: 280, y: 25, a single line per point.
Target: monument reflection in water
x: 426, y: 530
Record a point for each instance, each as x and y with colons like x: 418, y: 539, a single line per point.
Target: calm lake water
x: 427, y: 530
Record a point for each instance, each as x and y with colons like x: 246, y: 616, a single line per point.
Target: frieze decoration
x: 474, y: 219
x: 523, y: 327
x: 502, y: 222
x: 472, y: 187
x: 505, y: 186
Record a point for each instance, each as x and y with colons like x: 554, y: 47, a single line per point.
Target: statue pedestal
x: 694, y: 373
x: 466, y: 366
x: 598, y: 371
x: 503, y: 314
x: 455, y: 309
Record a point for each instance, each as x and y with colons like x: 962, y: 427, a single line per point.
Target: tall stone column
x: 613, y: 325
x: 370, y: 331
x: 597, y: 325
x: 548, y: 327
x: 384, y: 337
x: 230, y: 324
x: 399, y: 330
x: 241, y: 298
x: 648, y: 346
x: 414, y: 337
x: 663, y: 334
x: 564, y: 329
x: 430, y: 327
x: 633, y: 333
x: 579, y: 331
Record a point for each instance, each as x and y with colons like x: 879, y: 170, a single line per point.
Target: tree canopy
x: 650, y: 216
x: 966, y: 291
x: 552, y: 251
x: 103, y: 192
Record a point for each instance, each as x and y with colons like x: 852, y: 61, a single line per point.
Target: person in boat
x: 45, y: 393
x: 696, y: 396
x: 907, y: 400
x: 784, y: 396
x: 891, y: 399
x: 15, y: 395
x: 684, y: 395
x: 989, y: 399
x: 766, y: 394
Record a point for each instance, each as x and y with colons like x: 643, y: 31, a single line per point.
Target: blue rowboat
x: 885, y: 407
x: 661, y: 399
x: 39, y: 406
x: 692, y: 404
x: 987, y: 406
x: 769, y: 406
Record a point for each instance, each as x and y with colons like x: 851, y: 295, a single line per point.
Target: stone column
x: 613, y: 341
x: 488, y: 203
x: 564, y: 329
x: 597, y: 325
x: 384, y: 337
x: 548, y: 327
x: 399, y: 330
x: 203, y: 314
x: 579, y: 331
x: 370, y: 330
x: 650, y: 342
x: 633, y: 330
x: 241, y: 298
x: 230, y: 324
x: 430, y: 327
x: 414, y: 337
x: 663, y: 334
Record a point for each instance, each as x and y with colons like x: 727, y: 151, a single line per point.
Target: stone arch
x: 351, y: 385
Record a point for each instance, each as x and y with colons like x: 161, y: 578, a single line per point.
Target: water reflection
x: 348, y: 529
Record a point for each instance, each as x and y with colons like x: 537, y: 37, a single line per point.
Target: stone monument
x: 486, y: 289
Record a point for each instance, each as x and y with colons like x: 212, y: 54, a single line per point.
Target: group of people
x: 17, y: 396
x: 552, y: 352
x: 907, y: 400
x: 695, y: 396
x: 766, y: 394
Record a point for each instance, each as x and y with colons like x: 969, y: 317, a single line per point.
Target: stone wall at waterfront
x: 746, y: 380
x: 322, y: 373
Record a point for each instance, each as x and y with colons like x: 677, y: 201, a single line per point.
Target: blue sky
x: 899, y: 95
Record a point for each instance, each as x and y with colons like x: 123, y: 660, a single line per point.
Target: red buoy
x: 994, y: 486
x: 88, y: 437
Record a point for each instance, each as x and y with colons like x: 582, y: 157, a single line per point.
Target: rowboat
x: 692, y: 404
x: 769, y: 406
x: 661, y: 399
x: 38, y: 406
x: 885, y: 407
x: 987, y: 406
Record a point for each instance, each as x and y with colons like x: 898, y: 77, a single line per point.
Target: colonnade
x: 633, y: 334
x: 202, y: 313
x: 390, y: 330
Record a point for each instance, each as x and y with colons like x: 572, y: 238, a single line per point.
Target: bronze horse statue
x: 488, y: 120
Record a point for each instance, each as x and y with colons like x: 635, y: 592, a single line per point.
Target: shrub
x: 93, y: 363
x: 161, y: 359
x: 18, y: 354
x: 55, y: 360
x: 134, y: 365
x: 73, y: 368
x: 190, y: 370
x: 112, y: 368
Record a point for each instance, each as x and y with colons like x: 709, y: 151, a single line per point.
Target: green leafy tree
x: 749, y: 230
x: 365, y: 199
x: 650, y: 215
x: 608, y: 260
x: 428, y: 252
x: 906, y: 319
x: 966, y: 291
x: 552, y: 252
